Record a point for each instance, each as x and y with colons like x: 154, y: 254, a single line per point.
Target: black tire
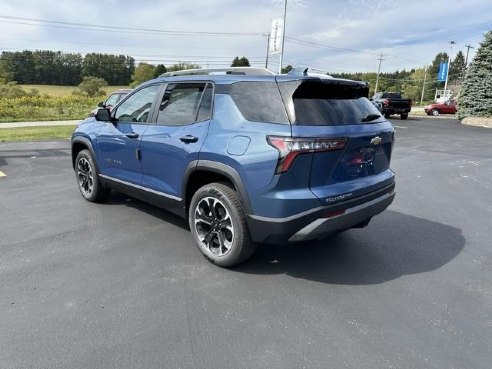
x: 87, y: 177
x: 435, y: 112
x: 387, y: 115
x: 404, y: 116
x: 220, y: 232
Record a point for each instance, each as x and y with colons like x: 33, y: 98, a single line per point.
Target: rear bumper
x: 315, y: 224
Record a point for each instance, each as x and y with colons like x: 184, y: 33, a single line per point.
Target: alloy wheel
x: 214, y: 227
x: 85, y: 176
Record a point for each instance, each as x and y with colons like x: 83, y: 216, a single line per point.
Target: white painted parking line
x: 2, y: 174
x: 400, y: 127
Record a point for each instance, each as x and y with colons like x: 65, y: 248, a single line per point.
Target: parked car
x: 111, y: 100
x: 447, y: 107
x: 392, y: 103
x: 247, y: 157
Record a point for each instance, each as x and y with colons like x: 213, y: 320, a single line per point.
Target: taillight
x: 386, y: 102
x: 289, y: 148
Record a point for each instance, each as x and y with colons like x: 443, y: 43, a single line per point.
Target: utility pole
x: 468, y: 47
x: 377, y: 76
x: 451, y: 43
x: 283, y: 39
x: 268, y: 51
x: 423, y: 86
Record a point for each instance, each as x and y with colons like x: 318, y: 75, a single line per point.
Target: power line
x: 98, y: 27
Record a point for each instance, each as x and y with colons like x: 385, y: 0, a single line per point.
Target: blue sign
x: 443, y: 71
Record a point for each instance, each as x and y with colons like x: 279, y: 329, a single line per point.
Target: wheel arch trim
x: 219, y: 168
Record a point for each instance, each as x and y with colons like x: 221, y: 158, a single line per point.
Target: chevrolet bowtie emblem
x: 376, y: 140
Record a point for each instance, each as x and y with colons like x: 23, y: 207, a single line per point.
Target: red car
x: 447, y: 107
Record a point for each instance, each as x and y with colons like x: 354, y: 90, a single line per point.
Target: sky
x: 329, y: 36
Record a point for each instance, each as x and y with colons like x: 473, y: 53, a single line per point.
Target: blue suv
x: 246, y: 156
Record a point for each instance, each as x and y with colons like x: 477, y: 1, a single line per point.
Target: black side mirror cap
x: 103, y: 115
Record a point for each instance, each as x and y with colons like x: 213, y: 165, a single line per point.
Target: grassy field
x: 57, y: 91
x: 36, y: 133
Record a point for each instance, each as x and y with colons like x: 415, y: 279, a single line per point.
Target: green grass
x: 57, y: 91
x: 35, y: 133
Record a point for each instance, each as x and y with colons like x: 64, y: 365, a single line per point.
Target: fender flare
x: 227, y: 171
x: 86, y: 142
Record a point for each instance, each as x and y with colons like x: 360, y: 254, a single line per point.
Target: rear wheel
x: 387, y: 115
x: 87, y: 176
x: 435, y: 112
x: 404, y: 116
x: 218, y: 225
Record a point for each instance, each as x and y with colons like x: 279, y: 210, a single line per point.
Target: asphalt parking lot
x: 120, y: 285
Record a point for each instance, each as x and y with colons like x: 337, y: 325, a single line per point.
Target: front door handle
x: 132, y: 135
x: 189, y: 139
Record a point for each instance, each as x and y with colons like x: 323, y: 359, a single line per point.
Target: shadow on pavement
x: 393, y: 245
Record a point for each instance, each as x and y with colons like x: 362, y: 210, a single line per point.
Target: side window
x: 205, y: 111
x: 137, y: 107
x: 180, y: 104
x: 112, y: 100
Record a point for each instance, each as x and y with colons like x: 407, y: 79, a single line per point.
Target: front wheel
x: 404, y: 116
x: 218, y: 225
x: 435, y: 112
x: 87, y: 176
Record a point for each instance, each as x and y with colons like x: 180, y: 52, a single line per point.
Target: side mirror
x: 103, y: 115
x: 101, y: 104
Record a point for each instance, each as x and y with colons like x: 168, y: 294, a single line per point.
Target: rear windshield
x: 258, y: 101
x: 314, y: 103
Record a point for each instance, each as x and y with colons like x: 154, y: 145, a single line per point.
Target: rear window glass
x: 328, y: 104
x: 259, y: 101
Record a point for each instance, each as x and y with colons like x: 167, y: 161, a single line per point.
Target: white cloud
x: 410, y: 34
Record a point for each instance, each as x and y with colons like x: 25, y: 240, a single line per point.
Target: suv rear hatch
x: 354, y: 142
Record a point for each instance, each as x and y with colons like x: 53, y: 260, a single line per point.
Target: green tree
x: 240, y: 62
x: 182, y: 66
x: 458, y: 68
x: 91, y: 86
x: 115, y: 69
x: 412, y: 87
x: 159, y: 69
x: 143, y: 72
x: 476, y: 93
x: 287, y: 69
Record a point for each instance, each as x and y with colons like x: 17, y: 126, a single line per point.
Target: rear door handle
x: 132, y: 135
x: 189, y: 139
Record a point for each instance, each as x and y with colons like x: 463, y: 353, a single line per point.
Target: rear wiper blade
x: 370, y: 117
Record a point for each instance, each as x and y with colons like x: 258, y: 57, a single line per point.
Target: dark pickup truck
x: 392, y: 103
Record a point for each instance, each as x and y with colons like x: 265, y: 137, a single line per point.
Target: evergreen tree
x: 476, y: 94
x: 159, y: 69
x: 457, y: 69
x: 243, y: 62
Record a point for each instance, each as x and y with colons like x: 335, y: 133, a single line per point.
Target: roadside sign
x: 443, y: 71
x: 275, y: 46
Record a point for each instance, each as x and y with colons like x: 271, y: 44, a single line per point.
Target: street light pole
x: 451, y: 43
x: 283, y: 39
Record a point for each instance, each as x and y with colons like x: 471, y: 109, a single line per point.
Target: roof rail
x: 229, y: 70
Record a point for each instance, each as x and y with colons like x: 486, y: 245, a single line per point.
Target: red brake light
x: 289, y: 148
x: 386, y: 102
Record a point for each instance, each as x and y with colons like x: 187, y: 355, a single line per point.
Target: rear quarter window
x: 259, y: 101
